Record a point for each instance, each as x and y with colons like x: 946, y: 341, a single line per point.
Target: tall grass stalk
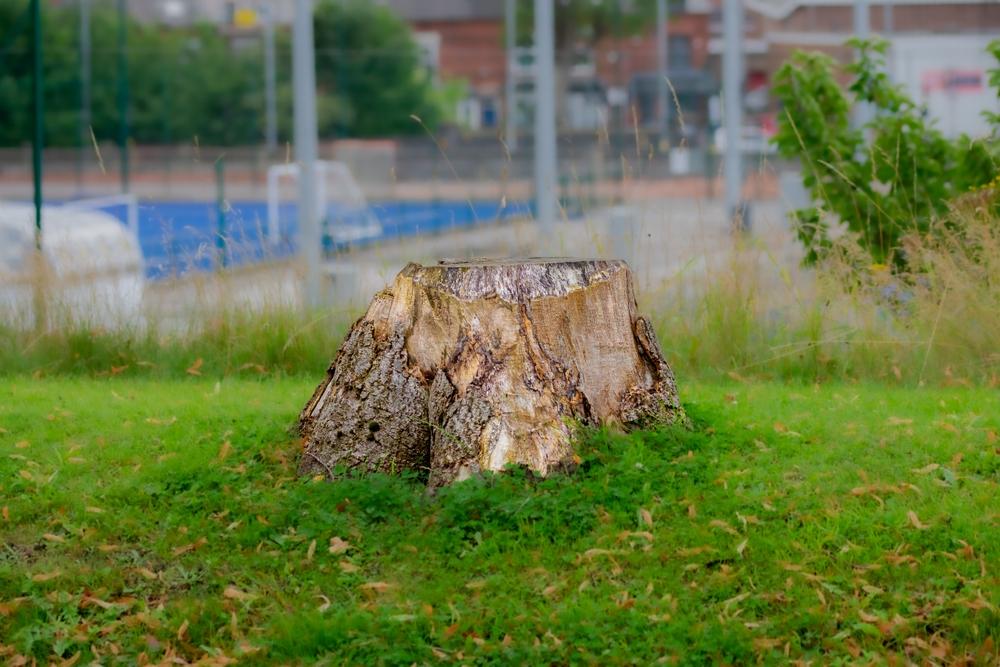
x: 746, y: 314
x: 742, y: 313
x: 204, y: 328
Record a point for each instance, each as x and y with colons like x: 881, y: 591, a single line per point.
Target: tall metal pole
x: 732, y: 92
x: 887, y: 30
x: 270, y: 100
x: 862, y: 19
x: 510, y: 100
x: 546, y: 183
x: 84, y: 129
x: 123, y: 94
x: 662, y: 64
x: 38, y: 108
x: 220, y: 213
x: 862, y: 30
x: 306, y: 149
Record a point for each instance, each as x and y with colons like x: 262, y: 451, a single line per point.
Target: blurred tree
x: 184, y: 83
x: 216, y: 92
x: 366, y: 56
x: 191, y: 84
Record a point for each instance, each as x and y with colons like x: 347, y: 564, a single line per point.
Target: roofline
x: 780, y: 9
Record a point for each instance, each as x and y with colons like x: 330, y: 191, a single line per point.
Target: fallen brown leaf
x: 722, y: 525
x: 947, y: 426
x: 234, y: 593
x: 976, y: 604
x: 89, y: 600
x: 338, y: 545
x: 200, y: 542
x: 376, y: 586
x: 8, y: 608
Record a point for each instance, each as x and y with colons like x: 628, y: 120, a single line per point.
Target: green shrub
x: 896, y: 175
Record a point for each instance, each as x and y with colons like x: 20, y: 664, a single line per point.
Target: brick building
x: 616, y: 78
x: 464, y: 39
x: 928, y: 39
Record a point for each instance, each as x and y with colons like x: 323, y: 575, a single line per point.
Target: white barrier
x: 94, y: 265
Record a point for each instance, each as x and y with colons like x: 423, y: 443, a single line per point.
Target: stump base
x: 463, y: 367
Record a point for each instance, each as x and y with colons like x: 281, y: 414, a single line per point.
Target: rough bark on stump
x: 469, y: 366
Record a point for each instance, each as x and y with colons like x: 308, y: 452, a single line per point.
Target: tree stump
x: 469, y: 366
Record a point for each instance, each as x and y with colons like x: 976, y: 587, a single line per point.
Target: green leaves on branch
x: 895, y: 176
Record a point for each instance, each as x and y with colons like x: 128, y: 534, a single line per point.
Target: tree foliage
x: 194, y: 84
x: 366, y: 56
x: 589, y: 21
x: 896, y: 175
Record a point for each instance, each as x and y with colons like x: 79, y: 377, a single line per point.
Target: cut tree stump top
x: 513, y: 280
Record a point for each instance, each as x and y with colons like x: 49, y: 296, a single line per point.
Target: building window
x: 489, y: 114
x: 679, y: 48
x: 429, y: 46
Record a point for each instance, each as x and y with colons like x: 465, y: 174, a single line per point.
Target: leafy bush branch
x: 894, y: 176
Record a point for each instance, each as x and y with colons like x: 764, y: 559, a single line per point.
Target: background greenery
x: 192, y: 84
x: 895, y: 176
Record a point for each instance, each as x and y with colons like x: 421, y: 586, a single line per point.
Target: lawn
x: 163, y: 521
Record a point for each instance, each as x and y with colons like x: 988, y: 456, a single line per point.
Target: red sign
x: 952, y: 81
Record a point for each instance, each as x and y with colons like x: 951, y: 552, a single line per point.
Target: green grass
x: 155, y: 520
x: 270, y: 341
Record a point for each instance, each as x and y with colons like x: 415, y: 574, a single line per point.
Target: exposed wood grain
x: 469, y: 366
